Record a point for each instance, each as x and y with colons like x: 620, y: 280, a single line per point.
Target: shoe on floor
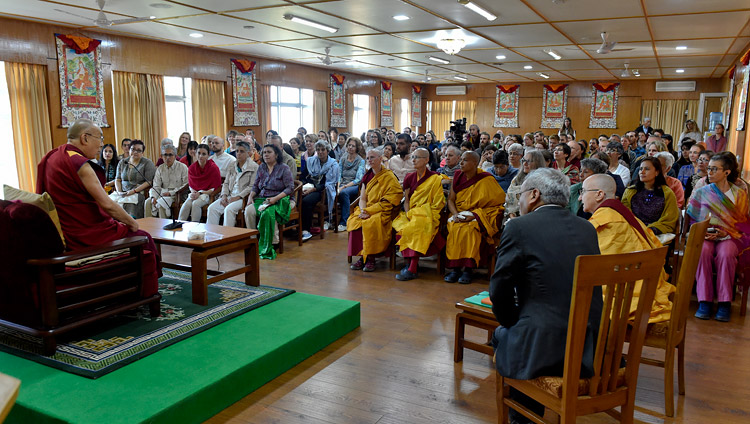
x: 326, y: 226
x: 465, y: 278
x: 306, y: 236
x: 357, y: 266
x: 722, y: 313
x: 452, y: 277
x: 704, y: 310
x: 406, y: 275
x: 369, y: 266
x: 341, y: 228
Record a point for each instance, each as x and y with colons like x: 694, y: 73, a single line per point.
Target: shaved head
x: 473, y: 156
x: 375, y: 153
x: 602, y: 182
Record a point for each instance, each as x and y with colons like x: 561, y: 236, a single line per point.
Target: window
x: 295, y: 106
x: 361, y: 116
x: 405, y: 115
x: 8, y: 171
x: 179, y: 107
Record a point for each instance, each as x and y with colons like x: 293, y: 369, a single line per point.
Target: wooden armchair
x: 294, y: 222
x: 611, y: 386
x: 8, y: 394
x: 182, y: 195
x: 392, y: 246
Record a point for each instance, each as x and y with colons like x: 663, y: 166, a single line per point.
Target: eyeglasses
x: 714, y: 169
x: 514, y: 154
x: 100, y: 137
x: 166, y: 155
x: 703, y: 160
x: 421, y: 157
x: 134, y: 150
x: 591, y: 189
x: 524, y: 160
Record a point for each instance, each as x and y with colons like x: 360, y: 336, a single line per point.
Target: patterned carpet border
x: 79, y: 358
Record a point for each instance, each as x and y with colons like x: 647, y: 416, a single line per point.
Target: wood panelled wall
x: 579, y: 104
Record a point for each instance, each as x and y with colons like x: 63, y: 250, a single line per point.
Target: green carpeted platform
x: 193, y: 379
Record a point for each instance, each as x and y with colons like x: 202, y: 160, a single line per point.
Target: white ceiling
x: 715, y: 32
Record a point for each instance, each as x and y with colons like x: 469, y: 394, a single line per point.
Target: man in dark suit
x: 532, y: 285
x: 645, y: 127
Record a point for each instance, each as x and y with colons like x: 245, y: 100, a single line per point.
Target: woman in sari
x: 726, y: 204
x: 204, y: 178
x: 323, y: 176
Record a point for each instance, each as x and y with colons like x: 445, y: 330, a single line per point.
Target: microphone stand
x: 175, y: 224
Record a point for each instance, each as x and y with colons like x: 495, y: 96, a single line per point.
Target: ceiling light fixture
x: 527, y: 67
x: 636, y: 73
x: 553, y: 53
x: 625, y: 73
x: 152, y: 17
x: 681, y: 48
x: 459, y: 77
x: 500, y: 57
x: 478, y: 9
x: 196, y: 34
x: 680, y: 71
x: 439, y: 60
x: 313, y: 24
x: 451, y: 46
x: 401, y: 18
x: 543, y: 75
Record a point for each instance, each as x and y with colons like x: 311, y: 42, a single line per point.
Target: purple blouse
x: 269, y: 185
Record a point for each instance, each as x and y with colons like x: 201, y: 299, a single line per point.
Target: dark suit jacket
x: 535, y: 264
x: 648, y: 130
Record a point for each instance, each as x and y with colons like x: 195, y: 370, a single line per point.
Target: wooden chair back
x: 618, y: 274
x: 8, y: 394
x: 688, y: 265
x: 294, y: 217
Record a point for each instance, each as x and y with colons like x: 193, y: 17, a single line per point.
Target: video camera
x: 458, y: 128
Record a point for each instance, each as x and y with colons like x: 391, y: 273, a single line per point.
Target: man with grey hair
x: 667, y: 160
x: 170, y: 177
x: 285, y: 157
x: 452, y: 158
x: 223, y: 160
x: 645, y: 127
x: 532, y: 286
x: 236, y: 187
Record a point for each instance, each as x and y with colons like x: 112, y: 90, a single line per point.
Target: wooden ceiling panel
x: 134, y: 8
x: 236, y: 27
x: 694, y: 47
x: 383, y: 43
x: 524, y: 35
x: 226, y: 5
x: 384, y: 60
x: 508, y: 12
x: 690, y: 61
x: 668, y: 7
x: 727, y: 24
x: 696, y: 72
x: 634, y: 63
x: 565, y: 65
x: 577, y: 10
x: 519, y: 67
x: 490, y: 55
x: 429, y: 38
x: 175, y: 34
x: 424, y: 57
x: 591, y: 74
x: 469, y: 68
x: 553, y: 76
x: 620, y: 30
x: 275, y: 16
x: 740, y: 45
x: 567, y: 52
x: 379, y: 14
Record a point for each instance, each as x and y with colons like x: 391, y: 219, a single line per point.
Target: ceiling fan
x: 327, y: 59
x: 427, y: 77
x: 102, y: 21
x: 608, y: 46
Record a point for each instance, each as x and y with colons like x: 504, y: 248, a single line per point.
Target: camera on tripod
x: 458, y: 128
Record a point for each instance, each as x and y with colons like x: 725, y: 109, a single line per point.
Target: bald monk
x: 88, y: 216
x: 369, y: 225
x: 417, y: 226
x: 475, y: 201
x: 619, y: 231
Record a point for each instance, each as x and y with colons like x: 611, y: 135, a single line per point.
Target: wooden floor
x: 398, y: 367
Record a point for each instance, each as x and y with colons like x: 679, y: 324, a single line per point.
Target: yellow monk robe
x: 419, y: 226
x: 383, y: 193
x: 484, y: 197
x: 615, y: 227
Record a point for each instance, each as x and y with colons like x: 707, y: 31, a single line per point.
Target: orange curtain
x: 320, y: 111
x: 265, y: 117
x: 466, y: 109
x: 153, y: 113
x: 440, y: 117
x: 374, y: 112
x: 209, y: 113
x: 126, y: 87
x: 27, y: 89
x: 396, y: 113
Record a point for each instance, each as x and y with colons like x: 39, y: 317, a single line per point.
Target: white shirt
x: 223, y: 161
x: 624, y: 173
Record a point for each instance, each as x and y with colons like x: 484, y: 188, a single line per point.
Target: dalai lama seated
x: 88, y: 216
x: 474, y: 202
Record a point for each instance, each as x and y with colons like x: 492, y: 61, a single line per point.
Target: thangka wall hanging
x: 338, y: 101
x: 81, y: 85
x: 506, y: 106
x: 416, y: 106
x: 742, y: 106
x: 604, y: 105
x: 386, y: 104
x: 554, y: 105
x: 244, y: 93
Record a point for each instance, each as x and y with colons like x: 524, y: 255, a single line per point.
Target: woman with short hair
x: 133, y: 179
x: 351, y: 171
x: 562, y: 162
x: 531, y: 161
x: 322, y: 176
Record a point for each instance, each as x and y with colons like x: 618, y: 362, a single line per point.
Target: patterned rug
x: 101, y: 348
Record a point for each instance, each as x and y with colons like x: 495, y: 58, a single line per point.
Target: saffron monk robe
x: 88, y: 216
x: 417, y: 226
x: 369, y: 225
x: 475, y: 202
x: 620, y: 231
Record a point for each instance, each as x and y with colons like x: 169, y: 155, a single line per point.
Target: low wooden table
x: 475, y: 316
x: 219, y: 241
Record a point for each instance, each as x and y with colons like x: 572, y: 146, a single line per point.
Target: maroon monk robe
x: 83, y: 221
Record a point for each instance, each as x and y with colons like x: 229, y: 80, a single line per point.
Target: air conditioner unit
x: 450, y: 90
x: 665, y: 86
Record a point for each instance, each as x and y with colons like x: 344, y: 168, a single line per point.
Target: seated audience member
x: 562, y: 154
x: 726, y: 204
x: 432, y: 141
x: 531, y: 161
x: 575, y: 153
x: 401, y: 163
x: 236, y: 187
x: 589, y: 167
x: 270, y: 198
x: 165, y: 142
x: 684, y: 156
x: 691, y: 132
x: 619, y: 231
x: 475, y: 202
x: 232, y: 140
x: 685, y: 173
x: 339, y: 149
x: 369, y: 225
x: 654, y: 146
x: 286, y: 158
x: 532, y: 286
x: 417, y: 225
x: 223, y: 160
x: 351, y: 171
x: 134, y: 175
x: 467, y: 146
x: 108, y: 161
x: 616, y: 152
x: 486, y: 158
x: 484, y: 141
x: 667, y: 160
x: 452, y: 164
x: 515, y: 154
x: 204, y: 178
x: 700, y: 177
x: 182, y: 145
x: 388, y: 150
x: 323, y: 175
x: 295, y: 143
x: 88, y: 217
x: 310, y: 140
x: 651, y: 199
x: 717, y: 142
x: 501, y: 169
x: 125, y: 145
x: 192, y: 153
x: 170, y: 177
x: 645, y: 127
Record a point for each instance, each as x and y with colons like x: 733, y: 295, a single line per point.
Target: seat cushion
x: 43, y: 201
x: 554, y: 385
